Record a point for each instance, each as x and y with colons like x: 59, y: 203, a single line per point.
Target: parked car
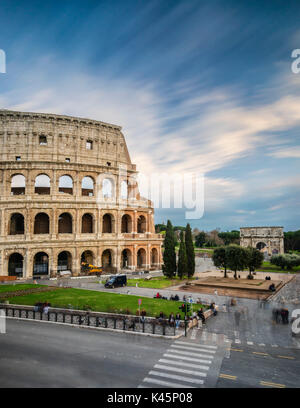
x: 115, y: 281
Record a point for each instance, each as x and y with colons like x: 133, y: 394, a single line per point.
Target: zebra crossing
x: 184, y: 365
x: 234, y: 337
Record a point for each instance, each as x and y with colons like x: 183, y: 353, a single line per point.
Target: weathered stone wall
x: 33, y: 144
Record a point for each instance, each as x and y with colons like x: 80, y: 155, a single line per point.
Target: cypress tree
x: 169, y: 256
x: 190, y: 252
x: 182, y: 258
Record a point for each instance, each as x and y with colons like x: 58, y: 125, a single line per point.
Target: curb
x: 100, y: 328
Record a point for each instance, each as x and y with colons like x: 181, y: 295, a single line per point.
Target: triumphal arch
x: 69, y: 196
x: 269, y: 240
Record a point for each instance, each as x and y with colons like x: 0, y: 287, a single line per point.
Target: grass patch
x: 158, y: 282
x: 21, y: 286
x: 81, y: 299
x: 268, y: 267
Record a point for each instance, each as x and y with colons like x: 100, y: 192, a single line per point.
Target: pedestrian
x: 177, y: 320
x: 237, y: 316
x: 201, y: 316
x: 171, y: 319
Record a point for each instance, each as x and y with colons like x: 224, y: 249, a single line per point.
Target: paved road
x: 34, y: 354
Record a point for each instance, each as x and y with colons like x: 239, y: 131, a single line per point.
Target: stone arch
x: 41, y: 223
x: 261, y: 245
x: 141, y: 258
x: 87, y: 186
x: 42, y: 184
x: 126, y: 224
x: 18, y: 184
x: 87, y: 222
x: 126, y: 258
x: 154, y: 257
x: 124, y: 190
x: 15, y: 264
x: 141, y: 224
x: 65, y: 184
x: 108, y: 224
x: 40, y: 263
x: 65, y: 223
x: 64, y: 261
x: 87, y: 257
x: 108, y: 188
x: 16, y: 224
x: 107, y: 258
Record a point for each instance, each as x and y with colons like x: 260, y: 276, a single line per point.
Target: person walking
x: 171, y: 319
x: 201, y: 317
x: 177, y: 320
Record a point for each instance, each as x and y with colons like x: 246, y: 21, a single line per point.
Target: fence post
x: 115, y: 323
x: 33, y: 315
x: 133, y: 325
x: 124, y: 324
x: 56, y: 316
x: 153, y: 328
x: 106, y: 322
x: 143, y: 326
x: 88, y: 319
x: 97, y: 321
x: 20, y: 313
x: 48, y: 316
x: 164, y: 329
x: 64, y: 318
x: 26, y: 314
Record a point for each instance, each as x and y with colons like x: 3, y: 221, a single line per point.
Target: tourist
x: 201, y: 316
x: 171, y: 319
x: 177, y: 320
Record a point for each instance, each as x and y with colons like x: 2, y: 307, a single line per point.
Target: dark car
x: 116, y: 280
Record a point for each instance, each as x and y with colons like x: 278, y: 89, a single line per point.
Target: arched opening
x: 124, y: 190
x: 87, y: 257
x: 126, y: 259
x: 65, y: 185
x: 126, y: 225
x: 15, y: 265
x: 16, y: 224
x: 106, y: 259
x: 18, y: 184
x: 107, y: 224
x: 40, y: 264
x: 107, y: 188
x: 65, y: 224
x: 64, y: 261
x: 154, y: 257
x: 41, y: 223
x: 42, y: 184
x: 141, y: 225
x: 87, y: 224
x: 260, y: 245
x: 141, y: 258
x: 87, y: 186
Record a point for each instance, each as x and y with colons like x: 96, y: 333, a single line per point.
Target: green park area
x: 159, y: 282
x: 81, y: 299
x: 13, y: 288
x: 268, y: 267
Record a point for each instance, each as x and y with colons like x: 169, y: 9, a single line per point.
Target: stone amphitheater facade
x: 69, y: 195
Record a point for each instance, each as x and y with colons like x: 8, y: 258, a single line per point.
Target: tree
x: 169, y: 256
x: 287, y: 261
x: 182, y: 258
x: 254, y: 259
x: 236, y: 258
x: 232, y: 237
x: 219, y: 258
x: 200, y: 239
x: 190, y: 252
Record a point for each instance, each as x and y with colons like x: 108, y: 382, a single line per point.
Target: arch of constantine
x: 268, y: 240
x: 69, y: 195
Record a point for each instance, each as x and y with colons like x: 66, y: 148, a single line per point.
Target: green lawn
x: 14, y: 288
x: 158, y: 282
x: 268, y: 267
x: 81, y: 299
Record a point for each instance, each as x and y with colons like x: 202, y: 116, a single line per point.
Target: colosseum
x: 69, y: 195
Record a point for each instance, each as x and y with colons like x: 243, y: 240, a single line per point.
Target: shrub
x: 287, y: 261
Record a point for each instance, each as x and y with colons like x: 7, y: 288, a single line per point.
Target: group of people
x: 281, y: 315
x: 42, y: 307
x: 159, y: 296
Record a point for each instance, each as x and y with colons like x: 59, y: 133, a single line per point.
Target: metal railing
x: 95, y: 319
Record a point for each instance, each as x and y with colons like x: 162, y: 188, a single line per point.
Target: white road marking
x: 176, y: 377
x: 261, y: 344
x: 166, y: 383
x: 188, y: 358
x: 193, y: 335
x: 250, y: 343
x: 237, y: 341
x: 274, y: 345
x: 180, y: 370
x: 188, y: 353
x: 180, y: 363
x: 196, y: 345
x: 193, y: 348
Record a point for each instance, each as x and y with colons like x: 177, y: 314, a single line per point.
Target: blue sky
x: 198, y: 86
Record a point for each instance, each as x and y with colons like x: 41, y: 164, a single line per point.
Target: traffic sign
x: 140, y: 301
